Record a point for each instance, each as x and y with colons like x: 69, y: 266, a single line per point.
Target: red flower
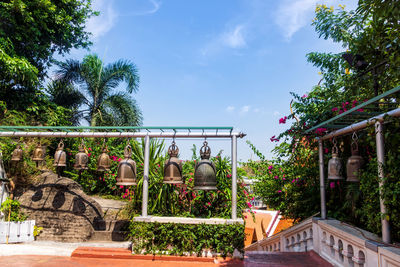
x: 282, y: 120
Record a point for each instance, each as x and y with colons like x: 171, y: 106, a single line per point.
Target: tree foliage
x: 371, y: 32
x: 31, y: 31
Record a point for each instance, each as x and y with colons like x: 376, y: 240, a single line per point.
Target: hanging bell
x: 17, y: 154
x: 60, y: 157
x: 335, y: 164
x: 38, y: 153
x: 173, y: 166
x: 204, y: 173
x: 354, y: 163
x: 3, y: 175
x: 81, y: 159
x: 103, y: 162
x: 126, y: 174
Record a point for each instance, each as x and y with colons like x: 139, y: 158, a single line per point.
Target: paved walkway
x: 91, y: 256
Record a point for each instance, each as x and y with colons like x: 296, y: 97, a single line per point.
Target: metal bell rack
x: 147, y: 133
x: 376, y: 111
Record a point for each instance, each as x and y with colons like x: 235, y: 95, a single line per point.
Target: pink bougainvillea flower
x: 90, y: 149
x: 334, y: 109
x: 332, y: 185
x: 320, y: 131
x: 273, y: 139
x: 279, y: 191
x: 121, y: 186
x: 304, y: 96
x: 270, y: 167
x: 360, y: 110
x: 89, y: 154
x: 208, y: 203
x: 282, y: 120
x: 249, y: 204
x: 326, y: 151
x: 190, y: 180
x: 229, y: 175
x: 276, y: 177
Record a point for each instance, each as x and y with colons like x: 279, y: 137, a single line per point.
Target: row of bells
x: 204, y: 175
x: 353, y: 166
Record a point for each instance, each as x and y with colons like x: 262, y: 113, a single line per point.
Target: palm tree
x: 89, y: 89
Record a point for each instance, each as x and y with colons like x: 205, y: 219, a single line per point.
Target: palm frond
x: 69, y: 71
x: 121, y: 109
x: 122, y: 70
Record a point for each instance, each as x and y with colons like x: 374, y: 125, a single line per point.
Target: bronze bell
x: 60, y: 157
x: 3, y: 175
x: 103, y: 162
x: 38, y: 153
x: 335, y: 165
x: 126, y: 174
x: 204, y: 173
x: 17, y: 154
x: 173, y: 166
x: 354, y: 164
x: 81, y: 159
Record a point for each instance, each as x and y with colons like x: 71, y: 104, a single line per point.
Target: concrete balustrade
x: 338, y: 243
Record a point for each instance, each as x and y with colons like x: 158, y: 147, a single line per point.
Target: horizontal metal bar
x: 124, y: 134
x: 113, y: 128
x: 362, y: 105
x: 361, y: 125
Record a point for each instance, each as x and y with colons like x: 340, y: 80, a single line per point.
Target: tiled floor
x: 123, y: 257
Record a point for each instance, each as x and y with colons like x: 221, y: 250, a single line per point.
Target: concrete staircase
x: 289, y: 259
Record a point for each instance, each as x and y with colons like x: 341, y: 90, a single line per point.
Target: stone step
x: 110, y: 225
x: 289, y: 259
x: 109, y: 236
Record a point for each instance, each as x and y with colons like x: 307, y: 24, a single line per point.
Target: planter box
x: 17, y: 231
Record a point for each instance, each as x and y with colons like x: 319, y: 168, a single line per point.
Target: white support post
x: 322, y: 178
x: 145, y: 185
x: 234, y: 178
x: 380, y: 153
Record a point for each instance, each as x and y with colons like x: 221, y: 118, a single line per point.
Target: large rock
x: 59, y: 205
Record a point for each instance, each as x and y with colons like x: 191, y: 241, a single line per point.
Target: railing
x: 338, y: 243
x: 297, y: 238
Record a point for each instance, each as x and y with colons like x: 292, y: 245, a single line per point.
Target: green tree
x: 89, y: 88
x: 31, y: 31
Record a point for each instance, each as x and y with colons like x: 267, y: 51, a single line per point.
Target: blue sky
x: 214, y: 63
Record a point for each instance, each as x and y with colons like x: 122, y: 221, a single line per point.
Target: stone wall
x: 65, y: 212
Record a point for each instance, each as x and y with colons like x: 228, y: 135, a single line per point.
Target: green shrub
x: 176, y: 239
x: 13, y: 207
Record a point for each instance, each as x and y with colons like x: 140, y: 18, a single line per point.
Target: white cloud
x: 244, y: 109
x: 230, y: 109
x: 234, y: 38
x: 257, y: 110
x: 276, y: 113
x: 143, y: 8
x: 103, y: 23
x: 156, y: 7
x: 293, y: 15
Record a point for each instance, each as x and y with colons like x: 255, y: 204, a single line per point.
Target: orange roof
x: 264, y: 223
x: 283, y: 224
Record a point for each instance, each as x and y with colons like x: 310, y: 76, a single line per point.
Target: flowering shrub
x: 176, y: 239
